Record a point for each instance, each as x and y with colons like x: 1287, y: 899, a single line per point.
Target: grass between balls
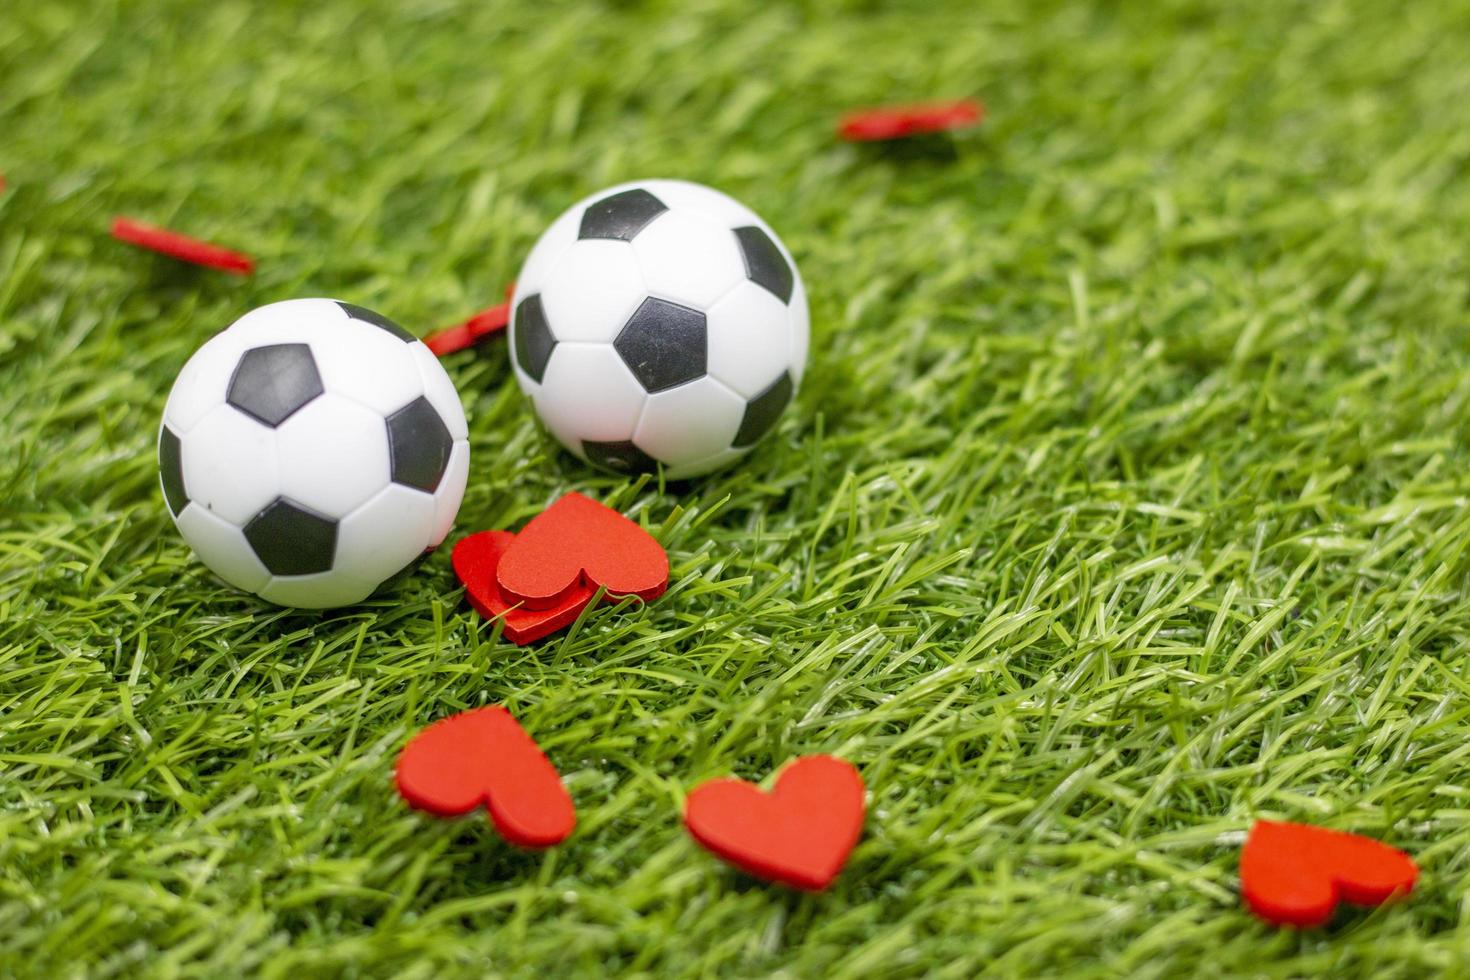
x: 1125, y: 500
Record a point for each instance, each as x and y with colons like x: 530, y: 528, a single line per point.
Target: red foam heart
x: 485, y: 756
x: 798, y: 834
x: 578, y: 543
x: 475, y: 561
x: 1295, y: 874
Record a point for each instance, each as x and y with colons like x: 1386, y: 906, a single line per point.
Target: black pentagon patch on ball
x: 620, y: 216
x: 290, y: 539
x: 271, y: 383
x: 534, y: 341
x: 419, y: 444
x: 621, y: 456
x: 764, y: 264
x: 663, y: 344
x: 171, y: 468
x: 378, y: 320
x: 762, y: 411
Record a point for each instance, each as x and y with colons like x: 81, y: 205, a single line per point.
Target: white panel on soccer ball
x: 707, y: 465
x: 440, y: 391
x: 230, y: 465
x: 382, y: 536
x: 548, y: 248
x: 749, y: 339
x: 450, y: 493
x: 288, y: 322
x: 689, y: 423
x: 564, y: 429
x: 202, y: 383
x: 688, y: 259
x: 324, y: 590
x: 368, y: 365
x: 588, y: 393
x: 333, y: 455
x: 591, y: 291
x: 722, y: 209
x: 801, y: 330
x: 223, y: 547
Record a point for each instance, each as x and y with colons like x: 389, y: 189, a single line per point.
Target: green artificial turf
x: 1125, y: 500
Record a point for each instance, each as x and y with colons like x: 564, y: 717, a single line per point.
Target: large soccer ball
x: 659, y: 322
x: 311, y: 450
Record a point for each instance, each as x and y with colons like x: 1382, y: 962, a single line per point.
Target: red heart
x: 798, y: 834
x: 485, y: 756
x: 578, y: 543
x: 896, y: 122
x: 1295, y: 874
x: 475, y: 560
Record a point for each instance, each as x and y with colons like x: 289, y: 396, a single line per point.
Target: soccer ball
x: 659, y: 322
x: 311, y: 450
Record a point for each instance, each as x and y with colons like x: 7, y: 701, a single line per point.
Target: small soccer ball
x: 659, y: 322
x: 311, y: 450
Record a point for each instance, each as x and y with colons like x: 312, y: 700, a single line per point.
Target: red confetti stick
x: 181, y: 247
x: 896, y: 122
x: 484, y: 324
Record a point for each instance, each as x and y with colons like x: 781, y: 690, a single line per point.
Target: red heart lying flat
x: 485, y: 756
x: 475, y: 561
x: 798, y: 834
x: 1295, y: 874
x: 896, y: 122
x: 577, y: 544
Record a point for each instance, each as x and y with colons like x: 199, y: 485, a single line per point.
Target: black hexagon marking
x: 272, y: 383
x: 533, y: 339
x: 620, y: 216
x: 663, y: 344
x: 762, y: 411
x: 290, y: 539
x: 419, y: 444
x: 764, y: 264
x: 621, y: 456
x: 377, y: 320
x: 171, y: 468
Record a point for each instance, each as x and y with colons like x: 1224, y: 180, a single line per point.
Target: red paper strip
x: 181, y: 247
x: 896, y: 122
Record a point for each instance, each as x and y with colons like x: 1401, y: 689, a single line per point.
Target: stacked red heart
x: 540, y: 580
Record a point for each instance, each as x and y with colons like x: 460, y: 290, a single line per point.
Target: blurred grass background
x: 1125, y: 501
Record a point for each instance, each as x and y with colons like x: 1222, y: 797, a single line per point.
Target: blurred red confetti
x: 469, y: 333
x: 896, y: 122
x: 181, y: 247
